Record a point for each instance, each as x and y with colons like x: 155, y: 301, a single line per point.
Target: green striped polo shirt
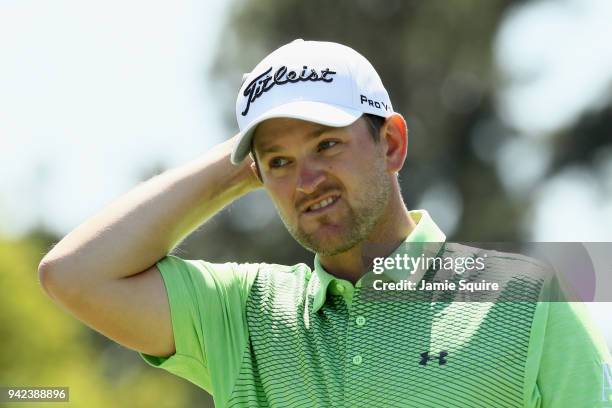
x: 267, y: 335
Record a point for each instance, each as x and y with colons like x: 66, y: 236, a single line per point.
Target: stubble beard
x: 360, y: 220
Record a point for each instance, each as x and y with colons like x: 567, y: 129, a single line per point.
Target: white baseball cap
x: 322, y: 82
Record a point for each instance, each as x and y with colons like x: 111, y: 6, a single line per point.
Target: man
x: 318, y: 132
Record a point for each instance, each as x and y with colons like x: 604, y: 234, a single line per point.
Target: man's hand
x: 251, y: 172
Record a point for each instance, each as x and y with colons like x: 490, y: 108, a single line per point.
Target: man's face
x: 330, y: 185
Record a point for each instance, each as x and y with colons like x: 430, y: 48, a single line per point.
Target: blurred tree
x: 585, y: 140
x: 435, y: 59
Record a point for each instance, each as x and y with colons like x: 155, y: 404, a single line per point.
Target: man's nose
x: 309, y: 178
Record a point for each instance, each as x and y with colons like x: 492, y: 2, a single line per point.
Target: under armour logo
x: 441, y: 360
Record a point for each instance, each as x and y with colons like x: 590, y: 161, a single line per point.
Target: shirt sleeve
x: 568, y: 360
x: 207, y: 306
x: 574, y: 359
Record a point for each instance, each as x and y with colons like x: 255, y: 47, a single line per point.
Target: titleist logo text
x: 265, y: 82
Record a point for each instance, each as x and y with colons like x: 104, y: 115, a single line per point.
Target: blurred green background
x: 508, y: 105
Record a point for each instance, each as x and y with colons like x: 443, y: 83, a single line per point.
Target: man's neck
x: 391, y: 231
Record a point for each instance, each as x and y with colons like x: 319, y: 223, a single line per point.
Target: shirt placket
x: 355, y: 361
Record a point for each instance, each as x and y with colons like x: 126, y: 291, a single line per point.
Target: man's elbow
x: 46, y: 276
x: 53, y: 280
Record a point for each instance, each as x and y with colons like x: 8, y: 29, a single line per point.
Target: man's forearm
x: 143, y: 225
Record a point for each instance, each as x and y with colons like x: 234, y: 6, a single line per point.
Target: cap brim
x: 318, y: 112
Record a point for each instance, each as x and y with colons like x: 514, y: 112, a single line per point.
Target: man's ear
x: 395, y: 133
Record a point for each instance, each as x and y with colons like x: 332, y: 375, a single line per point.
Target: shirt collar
x: 426, y: 231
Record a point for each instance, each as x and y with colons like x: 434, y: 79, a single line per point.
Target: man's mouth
x: 322, y: 205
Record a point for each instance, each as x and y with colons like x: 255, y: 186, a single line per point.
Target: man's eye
x: 278, y: 162
x: 327, y: 144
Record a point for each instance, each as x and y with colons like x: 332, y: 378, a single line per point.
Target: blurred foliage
x: 436, y: 60
x: 42, y: 345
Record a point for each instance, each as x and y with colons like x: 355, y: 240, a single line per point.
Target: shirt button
x: 357, y: 360
x: 360, y: 320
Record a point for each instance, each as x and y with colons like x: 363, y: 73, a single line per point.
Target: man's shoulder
x: 497, y: 255
x: 281, y: 285
x: 297, y: 270
x: 520, y: 277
